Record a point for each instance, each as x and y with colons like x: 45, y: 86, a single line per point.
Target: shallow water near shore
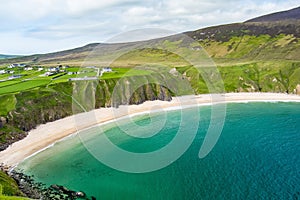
x: 256, y: 157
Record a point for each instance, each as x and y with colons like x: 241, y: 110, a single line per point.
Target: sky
x: 42, y: 26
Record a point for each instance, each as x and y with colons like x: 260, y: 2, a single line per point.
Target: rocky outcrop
x: 3, y: 121
x: 10, y: 137
x: 38, y: 107
x: 298, y: 89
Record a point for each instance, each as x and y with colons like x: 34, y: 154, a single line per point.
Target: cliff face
x: 44, y: 105
x: 48, y: 107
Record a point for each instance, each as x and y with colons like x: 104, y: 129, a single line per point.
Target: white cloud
x: 73, y: 22
x: 35, y: 9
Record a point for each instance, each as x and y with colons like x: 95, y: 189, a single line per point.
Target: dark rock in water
x: 56, y: 187
x: 93, y: 198
x: 80, y: 194
x: 64, y: 189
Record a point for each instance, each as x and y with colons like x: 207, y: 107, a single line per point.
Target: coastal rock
x: 11, y: 137
x: 80, y: 194
x: 36, y: 190
x: 2, y: 121
x: 174, y: 72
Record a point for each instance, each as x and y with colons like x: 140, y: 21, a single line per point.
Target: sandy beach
x: 45, y: 135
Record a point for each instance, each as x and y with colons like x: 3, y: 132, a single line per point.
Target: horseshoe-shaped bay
x: 256, y: 157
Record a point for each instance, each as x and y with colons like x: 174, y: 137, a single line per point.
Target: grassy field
x: 23, y: 85
x: 7, y: 83
x: 34, y: 80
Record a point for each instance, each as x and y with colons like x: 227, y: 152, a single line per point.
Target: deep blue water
x: 256, y: 157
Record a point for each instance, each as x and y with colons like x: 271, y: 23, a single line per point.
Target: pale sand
x: 47, y: 134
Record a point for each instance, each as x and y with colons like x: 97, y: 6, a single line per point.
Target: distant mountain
x: 285, y: 22
x: 8, y: 56
x: 293, y: 14
x: 269, y: 37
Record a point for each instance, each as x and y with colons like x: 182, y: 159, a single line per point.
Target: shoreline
x: 46, y: 135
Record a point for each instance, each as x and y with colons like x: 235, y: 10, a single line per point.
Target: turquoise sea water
x: 256, y: 157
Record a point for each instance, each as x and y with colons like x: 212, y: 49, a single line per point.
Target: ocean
x: 256, y: 156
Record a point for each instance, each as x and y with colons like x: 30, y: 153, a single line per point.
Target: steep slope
x: 251, y: 41
x: 270, y: 37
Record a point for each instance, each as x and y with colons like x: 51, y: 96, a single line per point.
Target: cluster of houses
x: 11, y: 68
x: 53, y: 70
x: 15, y: 69
x: 16, y: 65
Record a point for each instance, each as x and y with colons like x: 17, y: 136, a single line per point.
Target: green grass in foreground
x: 9, y: 189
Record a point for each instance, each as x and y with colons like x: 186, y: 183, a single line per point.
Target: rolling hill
x: 8, y: 56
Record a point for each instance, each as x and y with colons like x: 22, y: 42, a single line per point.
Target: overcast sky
x: 40, y: 26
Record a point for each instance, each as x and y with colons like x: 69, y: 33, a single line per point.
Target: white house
x: 53, y: 69
x: 83, y: 79
x: 2, y: 71
x: 65, y: 67
x: 40, y: 69
x: 28, y: 68
x: 91, y: 67
x: 48, y: 73
x: 14, y: 77
x: 13, y: 66
x: 106, y: 69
